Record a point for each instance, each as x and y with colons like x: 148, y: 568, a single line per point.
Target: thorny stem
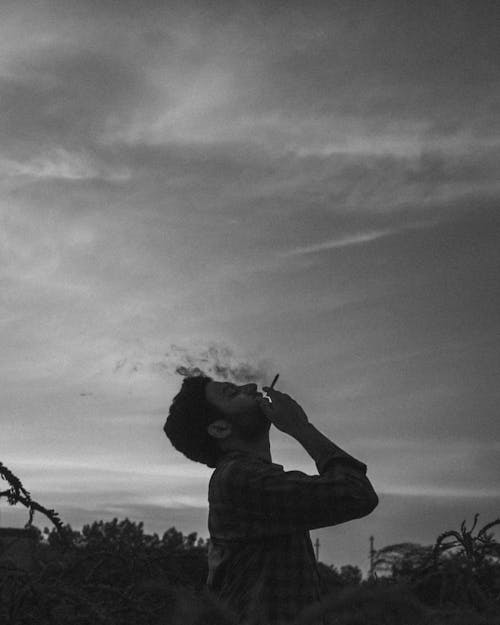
x: 18, y: 494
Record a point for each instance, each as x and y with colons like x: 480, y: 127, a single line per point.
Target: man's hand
x: 284, y: 412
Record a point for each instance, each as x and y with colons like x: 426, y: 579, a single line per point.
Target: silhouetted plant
x: 463, y: 572
x: 460, y: 569
x: 16, y: 493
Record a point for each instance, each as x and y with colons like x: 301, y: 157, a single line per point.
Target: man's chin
x: 266, y: 423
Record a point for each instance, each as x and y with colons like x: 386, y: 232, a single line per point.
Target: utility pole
x: 372, y: 558
x: 316, y: 544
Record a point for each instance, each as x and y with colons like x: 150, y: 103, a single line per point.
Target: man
x: 261, y: 560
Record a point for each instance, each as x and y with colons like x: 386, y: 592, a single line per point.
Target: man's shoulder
x: 238, y: 462
x: 234, y: 468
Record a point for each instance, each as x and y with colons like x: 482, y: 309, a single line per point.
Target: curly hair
x: 189, y: 415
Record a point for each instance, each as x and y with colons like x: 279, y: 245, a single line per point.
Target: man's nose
x: 249, y: 388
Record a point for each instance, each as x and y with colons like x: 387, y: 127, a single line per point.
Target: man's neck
x: 260, y: 448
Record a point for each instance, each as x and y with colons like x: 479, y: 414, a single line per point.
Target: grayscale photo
x: 249, y: 312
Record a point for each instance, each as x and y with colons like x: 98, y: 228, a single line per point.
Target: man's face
x: 239, y: 405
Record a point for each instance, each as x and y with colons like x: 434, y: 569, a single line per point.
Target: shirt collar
x: 233, y: 453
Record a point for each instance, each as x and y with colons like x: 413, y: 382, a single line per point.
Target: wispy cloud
x: 359, y: 238
x: 332, y: 244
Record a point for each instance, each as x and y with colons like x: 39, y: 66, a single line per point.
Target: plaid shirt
x: 261, y: 560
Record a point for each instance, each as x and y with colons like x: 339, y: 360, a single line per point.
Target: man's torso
x: 264, y: 572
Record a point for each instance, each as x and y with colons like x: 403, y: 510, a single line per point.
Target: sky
x: 303, y: 188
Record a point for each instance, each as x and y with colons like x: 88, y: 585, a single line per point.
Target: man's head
x: 207, y: 417
x: 242, y: 417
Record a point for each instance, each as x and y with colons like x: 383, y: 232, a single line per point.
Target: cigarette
x: 275, y: 380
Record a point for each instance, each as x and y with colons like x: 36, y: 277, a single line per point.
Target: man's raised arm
x: 286, y: 414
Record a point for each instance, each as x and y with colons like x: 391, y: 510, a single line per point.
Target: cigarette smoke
x: 217, y: 361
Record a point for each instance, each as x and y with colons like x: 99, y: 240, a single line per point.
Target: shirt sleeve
x: 286, y: 501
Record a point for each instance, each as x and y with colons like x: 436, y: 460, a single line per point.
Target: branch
x: 18, y: 494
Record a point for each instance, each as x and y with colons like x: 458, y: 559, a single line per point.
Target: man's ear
x: 219, y: 429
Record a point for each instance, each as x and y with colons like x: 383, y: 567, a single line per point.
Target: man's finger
x: 262, y: 401
x: 270, y: 390
x: 274, y: 393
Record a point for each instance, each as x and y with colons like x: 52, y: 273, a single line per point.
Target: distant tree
x: 401, y: 559
x: 350, y: 575
x: 173, y: 539
x: 332, y: 579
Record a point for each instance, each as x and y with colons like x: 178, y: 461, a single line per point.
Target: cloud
x: 338, y: 243
x: 372, y: 61
x: 63, y: 98
x: 183, y: 77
